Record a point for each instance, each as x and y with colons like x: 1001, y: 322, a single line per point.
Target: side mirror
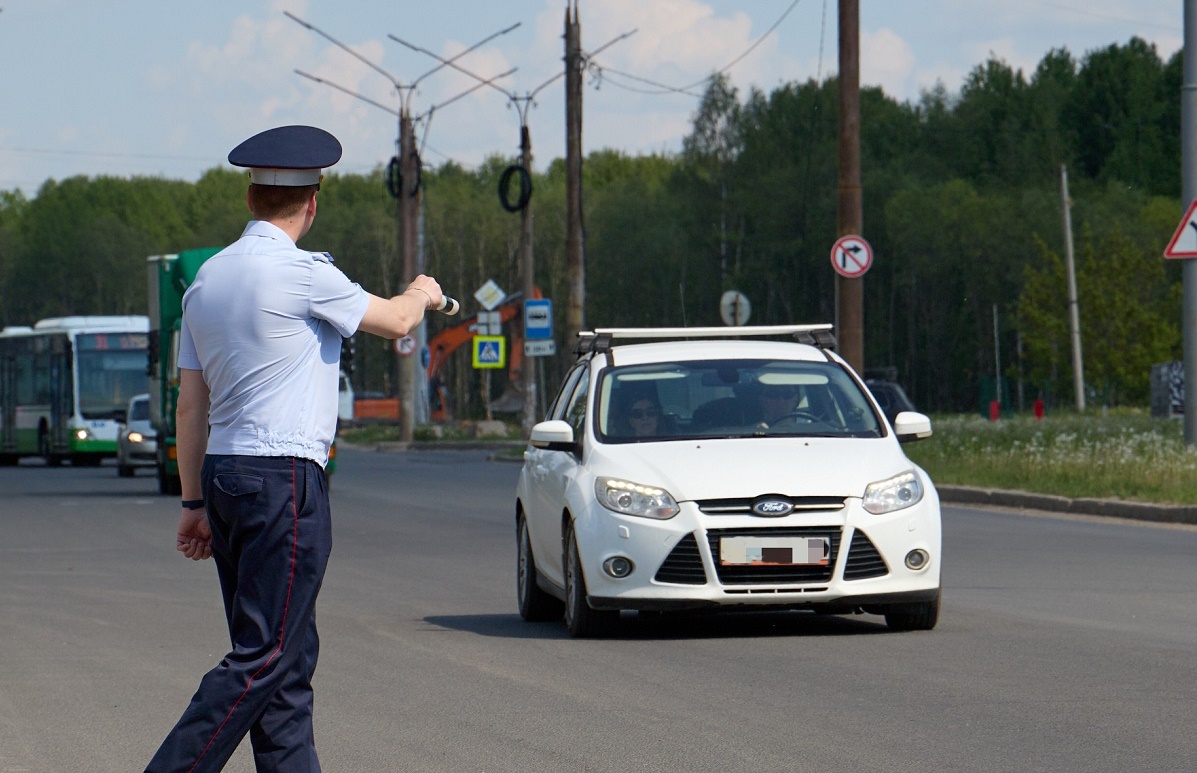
x: 555, y: 435
x: 910, y: 426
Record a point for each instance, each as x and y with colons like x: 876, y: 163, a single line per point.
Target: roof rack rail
x: 600, y: 339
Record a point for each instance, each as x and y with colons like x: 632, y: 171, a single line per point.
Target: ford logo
x: 772, y: 507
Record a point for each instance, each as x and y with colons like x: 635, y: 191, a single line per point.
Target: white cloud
x: 886, y: 61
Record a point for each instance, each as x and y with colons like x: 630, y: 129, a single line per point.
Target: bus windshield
x: 111, y: 370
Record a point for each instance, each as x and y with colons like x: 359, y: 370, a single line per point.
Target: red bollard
x: 1038, y: 408
x: 995, y: 410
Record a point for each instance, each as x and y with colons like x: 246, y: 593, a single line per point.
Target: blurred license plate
x: 774, y: 551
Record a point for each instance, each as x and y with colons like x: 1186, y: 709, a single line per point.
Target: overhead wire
x: 599, y: 70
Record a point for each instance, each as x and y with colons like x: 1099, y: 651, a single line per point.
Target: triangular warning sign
x: 1184, y: 241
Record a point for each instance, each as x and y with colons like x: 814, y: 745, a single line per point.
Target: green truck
x: 168, y: 277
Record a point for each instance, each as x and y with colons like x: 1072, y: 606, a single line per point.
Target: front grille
x: 743, y: 506
x: 863, y: 559
x: 683, y: 565
x: 744, y: 575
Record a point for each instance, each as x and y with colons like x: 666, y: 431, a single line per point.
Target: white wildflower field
x: 1125, y: 454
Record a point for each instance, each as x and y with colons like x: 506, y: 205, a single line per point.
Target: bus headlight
x: 83, y: 434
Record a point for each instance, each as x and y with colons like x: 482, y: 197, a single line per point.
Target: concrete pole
x: 409, y: 203
x: 1074, y: 306
x: 527, y: 372
x: 850, y: 292
x: 1188, y: 191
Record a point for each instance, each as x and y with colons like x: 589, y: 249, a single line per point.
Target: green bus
x: 65, y: 384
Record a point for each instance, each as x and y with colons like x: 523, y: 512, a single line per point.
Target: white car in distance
x: 705, y: 468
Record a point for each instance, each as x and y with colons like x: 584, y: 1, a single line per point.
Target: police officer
x: 258, y: 359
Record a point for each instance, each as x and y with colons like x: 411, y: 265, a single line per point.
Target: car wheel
x: 919, y: 616
x: 536, y: 606
x: 581, y: 620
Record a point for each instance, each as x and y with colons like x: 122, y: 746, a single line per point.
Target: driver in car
x: 776, y: 401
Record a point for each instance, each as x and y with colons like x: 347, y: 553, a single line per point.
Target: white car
x: 136, y: 442
x: 691, y: 471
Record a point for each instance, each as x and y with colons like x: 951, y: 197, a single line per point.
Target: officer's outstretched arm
x: 397, y: 316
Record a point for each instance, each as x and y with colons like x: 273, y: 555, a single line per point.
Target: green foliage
x: 961, y: 205
x: 1121, y: 454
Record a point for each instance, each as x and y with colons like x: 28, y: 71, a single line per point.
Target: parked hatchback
x: 691, y: 470
x: 137, y: 442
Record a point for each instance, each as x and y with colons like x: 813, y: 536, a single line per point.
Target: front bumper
x: 677, y: 563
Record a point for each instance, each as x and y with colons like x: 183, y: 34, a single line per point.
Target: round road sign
x: 734, y: 308
x: 405, y: 345
x: 851, y: 256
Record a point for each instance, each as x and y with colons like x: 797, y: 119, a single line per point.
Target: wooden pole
x: 575, y: 257
x: 850, y: 292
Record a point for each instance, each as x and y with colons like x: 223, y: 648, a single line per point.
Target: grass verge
x: 1124, y: 454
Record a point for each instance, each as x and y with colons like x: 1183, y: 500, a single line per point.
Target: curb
x: 948, y: 494
x: 1110, y: 508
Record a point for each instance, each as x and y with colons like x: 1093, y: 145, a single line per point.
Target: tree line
x: 962, y: 206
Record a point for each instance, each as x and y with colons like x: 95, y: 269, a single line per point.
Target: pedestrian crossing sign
x: 490, y: 352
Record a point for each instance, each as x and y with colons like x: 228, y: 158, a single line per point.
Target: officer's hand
x: 430, y: 288
x: 194, y: 539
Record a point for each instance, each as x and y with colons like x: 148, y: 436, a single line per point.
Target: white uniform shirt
x: 264, y: 322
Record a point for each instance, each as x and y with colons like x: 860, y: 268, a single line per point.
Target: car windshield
x: 731, y: 398
x: 139, y: 410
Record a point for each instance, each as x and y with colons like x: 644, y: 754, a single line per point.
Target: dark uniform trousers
x: 271, y: 538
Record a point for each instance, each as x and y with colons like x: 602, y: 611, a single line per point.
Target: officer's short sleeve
x: 336, y: 299
x: 187, y: 355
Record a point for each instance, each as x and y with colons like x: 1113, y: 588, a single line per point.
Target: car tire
x: 535, y: 605
x: 582, y: 621
x: 919, y: 616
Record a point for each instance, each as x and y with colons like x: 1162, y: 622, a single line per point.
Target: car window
x: 575, y: 411
x: 557, y: 407
x: 139, y: 410
x: 731, y: 398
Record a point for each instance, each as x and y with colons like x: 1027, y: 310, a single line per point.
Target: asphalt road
x: 1064, y: 644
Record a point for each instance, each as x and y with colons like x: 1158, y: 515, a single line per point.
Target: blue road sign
x: 490, y: 352
x: 538, y: 318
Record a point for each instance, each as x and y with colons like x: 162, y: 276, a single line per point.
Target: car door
x: 551, y: 471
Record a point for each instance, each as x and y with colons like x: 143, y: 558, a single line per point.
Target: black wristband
x: 193, y: 504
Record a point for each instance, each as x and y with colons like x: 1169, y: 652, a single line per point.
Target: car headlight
x: 635, y: 499
x: 82, y: 434
x: 136, y: 437
x: 896, y: 493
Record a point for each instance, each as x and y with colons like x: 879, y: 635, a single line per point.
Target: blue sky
x: 160, y: 88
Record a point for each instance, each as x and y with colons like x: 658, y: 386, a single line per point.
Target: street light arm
x: 390, y: 110
x: 452, y: 64
x: 610, y: 43
x: 469, y: 91
x: 474, y: 47
x: 347, y: 49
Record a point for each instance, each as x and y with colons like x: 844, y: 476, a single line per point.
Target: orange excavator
x: 452, y: 338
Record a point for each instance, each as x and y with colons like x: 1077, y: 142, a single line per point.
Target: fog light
x: 618, y: 567
x: 917, y: 559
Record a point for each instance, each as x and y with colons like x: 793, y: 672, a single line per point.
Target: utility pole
x: 527, y: 372
x: 1188, y: 164
x: 1074, y: 312
x: 849, y: 292
x: 575, y: 255
x: 408, y: 237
